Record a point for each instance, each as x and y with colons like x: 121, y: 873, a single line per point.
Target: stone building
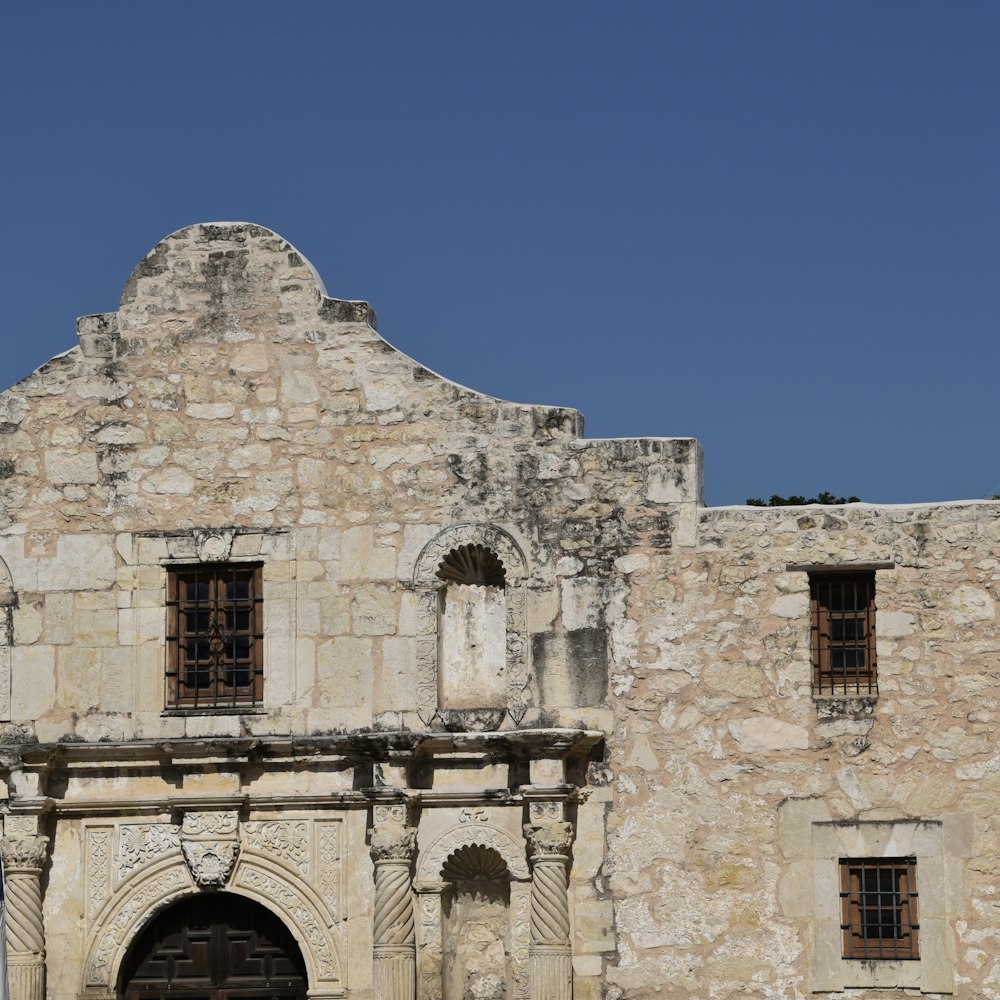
x: 321, y: 674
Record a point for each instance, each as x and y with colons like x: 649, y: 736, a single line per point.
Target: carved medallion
x: 211, y: 863
x: 213, y: 546
x: 210, y: 845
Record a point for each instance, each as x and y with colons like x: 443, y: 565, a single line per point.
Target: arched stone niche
x: 8, y: 601
x: 474, y: 906
x: 470, y: 581
x: 158, y: 886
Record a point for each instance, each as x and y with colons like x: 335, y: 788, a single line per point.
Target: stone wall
x: 231, y: 410
x: 723, y: 759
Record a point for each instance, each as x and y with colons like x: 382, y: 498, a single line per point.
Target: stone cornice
x: 353, y: 748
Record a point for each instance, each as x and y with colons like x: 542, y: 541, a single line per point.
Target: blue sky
x: 771, y: 226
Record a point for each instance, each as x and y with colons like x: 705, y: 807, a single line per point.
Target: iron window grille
x: 214, y: 636
x: 878, y: 899
x: 842, y: 609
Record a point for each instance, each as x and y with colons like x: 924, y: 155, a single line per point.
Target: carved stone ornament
x: 210, y: 846
x: 24, y: 852
x: 140, y: 844
x: 213, y: 546
x: 287, y: 840
x: 211, y: 863
x: 433, y: 859
x: 393, y: 843
x: 548, y: 839
x: 545, y: 812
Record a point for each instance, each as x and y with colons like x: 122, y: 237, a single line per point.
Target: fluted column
x: 392, y: 847
x: 23, y: 858
x: 550, y: 961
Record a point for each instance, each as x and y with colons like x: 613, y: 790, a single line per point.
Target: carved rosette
x: 23, y: 858
x: 213, y: 546
x: 393, y: 844
x: 209, y: 842
x: 551, y: 970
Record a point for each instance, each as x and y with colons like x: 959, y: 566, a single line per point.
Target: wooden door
x: 215, y: 947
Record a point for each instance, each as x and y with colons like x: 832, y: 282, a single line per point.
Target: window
x: 878, y: 900
x: 857, y: 887
x: 843, y: 632
x: 214, y: 636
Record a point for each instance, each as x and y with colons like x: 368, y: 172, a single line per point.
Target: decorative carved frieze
x: 20, y: 826
x: 98, y: 865
x: 140, y: 844
x: 286, y: 840
x: 328, y: 862
x: 545, y: 812
x: 520, y: 939
x: 134, y: 911
x: 197, y: 824
x: 298, y: 912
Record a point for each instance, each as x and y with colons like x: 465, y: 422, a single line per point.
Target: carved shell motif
x: 474, y: 862
x: 473, y: 565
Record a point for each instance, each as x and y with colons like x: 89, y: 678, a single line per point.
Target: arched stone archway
x: 124, y: 917
x: 215, y: 946
x: 484, y: 851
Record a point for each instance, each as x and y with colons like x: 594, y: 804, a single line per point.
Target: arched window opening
x: 476, y: 925
x: 472, y: 629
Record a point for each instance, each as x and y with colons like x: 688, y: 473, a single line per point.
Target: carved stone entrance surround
x: 300, y: 853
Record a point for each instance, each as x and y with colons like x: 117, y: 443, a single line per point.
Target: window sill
x: 881, y: 962
x: 169, y: 713
x: 840, y: 696
x: 837, y: 707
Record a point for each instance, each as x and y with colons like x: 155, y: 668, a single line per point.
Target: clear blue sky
x: 773, y: 226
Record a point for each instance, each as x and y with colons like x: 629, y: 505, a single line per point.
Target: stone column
x: 550, y: 961
x: 23, y: 858
x: 392, y: 848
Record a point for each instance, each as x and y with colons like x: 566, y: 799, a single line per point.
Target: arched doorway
x: 216, y: 946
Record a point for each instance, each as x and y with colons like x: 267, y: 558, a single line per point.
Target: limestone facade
x: 522, y: 717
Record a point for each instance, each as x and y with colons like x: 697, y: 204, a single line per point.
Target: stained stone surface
x: 651, y: 681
